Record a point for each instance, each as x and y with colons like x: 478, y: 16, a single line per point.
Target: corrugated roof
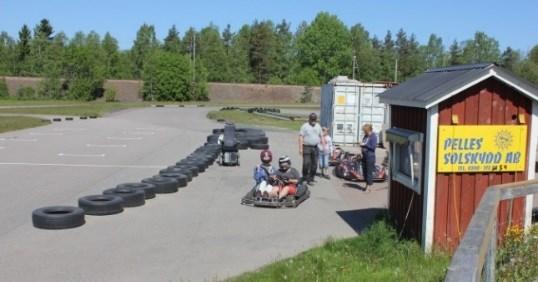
x: 437, y: 85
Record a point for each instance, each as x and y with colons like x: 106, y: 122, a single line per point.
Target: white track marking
x: 139, y: 132
x: 69, y: 129
x: 47, y: 133
x: 15, y: 139
x: 84, y: 165
x: 123, y: 138
x: 107, y: 145
x: 82, y: 155
x: 148, y: 129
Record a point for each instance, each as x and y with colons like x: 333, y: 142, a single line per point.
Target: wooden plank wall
x: 399, y: 195
x: 458, y: 194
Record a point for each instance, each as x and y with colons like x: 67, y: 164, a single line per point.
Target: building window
x: 406, y: 157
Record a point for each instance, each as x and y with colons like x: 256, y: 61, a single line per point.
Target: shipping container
x: 347, y: 104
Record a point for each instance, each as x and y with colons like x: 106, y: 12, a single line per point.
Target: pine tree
x: 144, y: 44
x: 172, y: 42
x: 262, y: 50
x: 433, y: 52
x: 227, y: 38
x: 367, y: 57
x: 510, y: 58
x: 111, y: 53
x: 455, y: 54
x: 44, y: 29
x: 212, y: 54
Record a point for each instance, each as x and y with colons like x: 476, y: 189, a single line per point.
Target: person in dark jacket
x: 368, y: 146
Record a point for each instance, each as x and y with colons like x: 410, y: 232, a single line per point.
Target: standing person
x: 325, y: 151
x: 368, y: 146
x: 309, y: 139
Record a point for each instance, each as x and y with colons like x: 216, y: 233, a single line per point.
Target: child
x: 263, y: 173
x: 325, y: 149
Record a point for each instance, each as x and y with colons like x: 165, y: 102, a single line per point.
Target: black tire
x: 58, y: 217
x: 131, y: 197
x: 69, y: 118
x: 198, y: 164
x: 242, y: 146
x: 183, y: 170
x: 163, y: 185
x: 258, y: 140
x: 93, y: 117
x: 83, y: 117
x: 101, y: 204
x: 147, y: 188
x: 159, y: 106
x: 179, y: 177
x: 218, y: 131
x: 259, y: 146
x: 56, y: 119
x: 192, y: 168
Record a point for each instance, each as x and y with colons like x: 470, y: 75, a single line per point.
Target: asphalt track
x: 200, y: 233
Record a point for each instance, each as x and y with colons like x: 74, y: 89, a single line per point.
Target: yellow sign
x: 481, y: 148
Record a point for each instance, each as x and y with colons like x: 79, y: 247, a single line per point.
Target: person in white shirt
x: 325, y: 150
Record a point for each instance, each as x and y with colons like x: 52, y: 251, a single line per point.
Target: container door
x: 345, y: 115
x: 371, y: 110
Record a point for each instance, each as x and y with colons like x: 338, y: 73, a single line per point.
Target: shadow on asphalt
x: 361, y: 218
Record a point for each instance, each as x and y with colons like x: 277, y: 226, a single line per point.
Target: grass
x: 241, y: 117
x: 67, y: 108
x: 16, y: 123
x: 375, y: 255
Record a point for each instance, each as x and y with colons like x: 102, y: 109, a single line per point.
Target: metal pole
x: 193, y: 61
x: 354, y: 65
x: 396, y: 70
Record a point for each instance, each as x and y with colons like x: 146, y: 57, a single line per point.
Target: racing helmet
x: 283, y: 160
x: 266, y: 156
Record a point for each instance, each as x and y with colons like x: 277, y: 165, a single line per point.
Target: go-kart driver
x: 286, y: 179
x: 263, y: 173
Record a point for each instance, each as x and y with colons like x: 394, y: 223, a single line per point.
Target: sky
x: 513, y: 23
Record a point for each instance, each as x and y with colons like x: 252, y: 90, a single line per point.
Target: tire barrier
x: 134, y: 194
x: 101, y: 204
x: 58, y: 217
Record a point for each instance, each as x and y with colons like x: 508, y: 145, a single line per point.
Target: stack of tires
x: 252, y: 138
x: 127, y: 195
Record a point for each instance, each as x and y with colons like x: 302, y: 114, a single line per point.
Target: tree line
x: 178, y: 67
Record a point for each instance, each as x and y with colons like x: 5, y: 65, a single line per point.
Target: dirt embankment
x: 129, y: 91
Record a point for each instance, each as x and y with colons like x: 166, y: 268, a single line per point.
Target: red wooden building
x: 436, y: 206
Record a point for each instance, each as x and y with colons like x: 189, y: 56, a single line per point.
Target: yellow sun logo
x: 503, y: 139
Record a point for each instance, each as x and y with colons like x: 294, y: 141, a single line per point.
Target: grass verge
x: 375, y: 255
x: 68, y: 109
x: 516, y: 258
x: 253, y: 119
x: 17, y: 123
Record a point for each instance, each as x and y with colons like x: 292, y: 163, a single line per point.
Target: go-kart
x: 256, y: 199
x: 350, y: 168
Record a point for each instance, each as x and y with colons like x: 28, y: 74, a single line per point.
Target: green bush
x: 110, y: 95
x: 4, y: 93
x: 306, y: 96
x: 83, y: 89
x: 26, y: 93
x: 50, y: 88
x: 168, y: 77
